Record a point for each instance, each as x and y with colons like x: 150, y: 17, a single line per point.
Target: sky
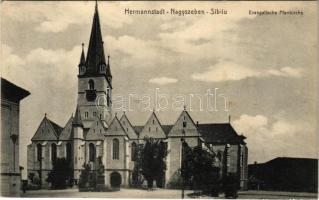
x: 265, y: 66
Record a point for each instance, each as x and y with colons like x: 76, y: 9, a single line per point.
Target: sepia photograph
x: 159, y: 99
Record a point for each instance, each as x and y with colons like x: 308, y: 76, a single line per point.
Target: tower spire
x: 82, y: 59
x: 95, y: 55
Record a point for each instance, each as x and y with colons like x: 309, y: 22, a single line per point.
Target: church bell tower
x: 94, y: 79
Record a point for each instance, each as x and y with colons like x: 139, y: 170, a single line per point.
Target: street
x: 161, y: 193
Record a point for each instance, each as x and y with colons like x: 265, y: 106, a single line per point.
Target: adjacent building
x: 285, y: 174
x: 11, y: 95
x: 95, y: 132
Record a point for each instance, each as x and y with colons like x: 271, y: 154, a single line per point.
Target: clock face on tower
x: 90, y: 95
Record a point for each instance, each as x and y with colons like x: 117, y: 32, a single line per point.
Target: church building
x: 95, y: 132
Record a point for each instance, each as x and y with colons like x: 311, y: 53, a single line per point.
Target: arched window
x: 39, y: 152
x: 68, y: 151
x: 91, y: 84
x: 53, y: 152
x: 91, y: 152
x: 133, y: 151
x: 116, y: 149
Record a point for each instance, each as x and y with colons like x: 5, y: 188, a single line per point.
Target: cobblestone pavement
x: 162, y: 193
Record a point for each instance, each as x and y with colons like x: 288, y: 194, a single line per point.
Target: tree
x: 60, y: 174
x: 152, y: 163
x: 84, y: 176
x: 198, y: 167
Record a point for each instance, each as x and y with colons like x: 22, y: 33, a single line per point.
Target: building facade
x: 11, y: 95
x: 93, y: 132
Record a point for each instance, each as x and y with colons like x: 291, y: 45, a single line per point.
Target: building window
x: 39, y: 152
x: 153, y: 121
x: 149, y: 129
x: 100, y: 116
x: 86, y: 114
x: 184, y: 124
x: 94, y: 114
x: 68, y: 151
x: 92, y: 152
x: 133, y: 151
x: 156, y: 129
x: 116, y: 149
x: 53, y: 152
x: 91, y: 84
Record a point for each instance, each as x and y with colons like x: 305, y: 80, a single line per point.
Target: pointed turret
x: 77, y: 118
x: 82, y: 59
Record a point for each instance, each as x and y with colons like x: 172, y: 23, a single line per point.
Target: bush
x: 61, y: 174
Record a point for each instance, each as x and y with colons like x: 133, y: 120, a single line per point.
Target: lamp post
x: 182, y: 161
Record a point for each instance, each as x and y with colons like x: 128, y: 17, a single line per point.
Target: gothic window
x: 53, y: 152
x: 91, y: 84
x: 133, y: 151
x: 149, y: 129
x: 39, y: 152
x: 68, y: 151
x: 156, y: 129
x: 153, y: 121
x: 91, y: 152
x: 100, y: 116
x: 116, y: 149
x: 94, y: 114
x: 86, y: 114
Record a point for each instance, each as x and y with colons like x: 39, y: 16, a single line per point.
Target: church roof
x: 56, y: 127
x: 96, y: 131
x: 131, y: 133
x: 66, y: 133
x: 152, y: 128
x: 138, y: 129
x: 219, y: 133
x: 47, y: 130
x: 167, y: 128
x: 115, y: 128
